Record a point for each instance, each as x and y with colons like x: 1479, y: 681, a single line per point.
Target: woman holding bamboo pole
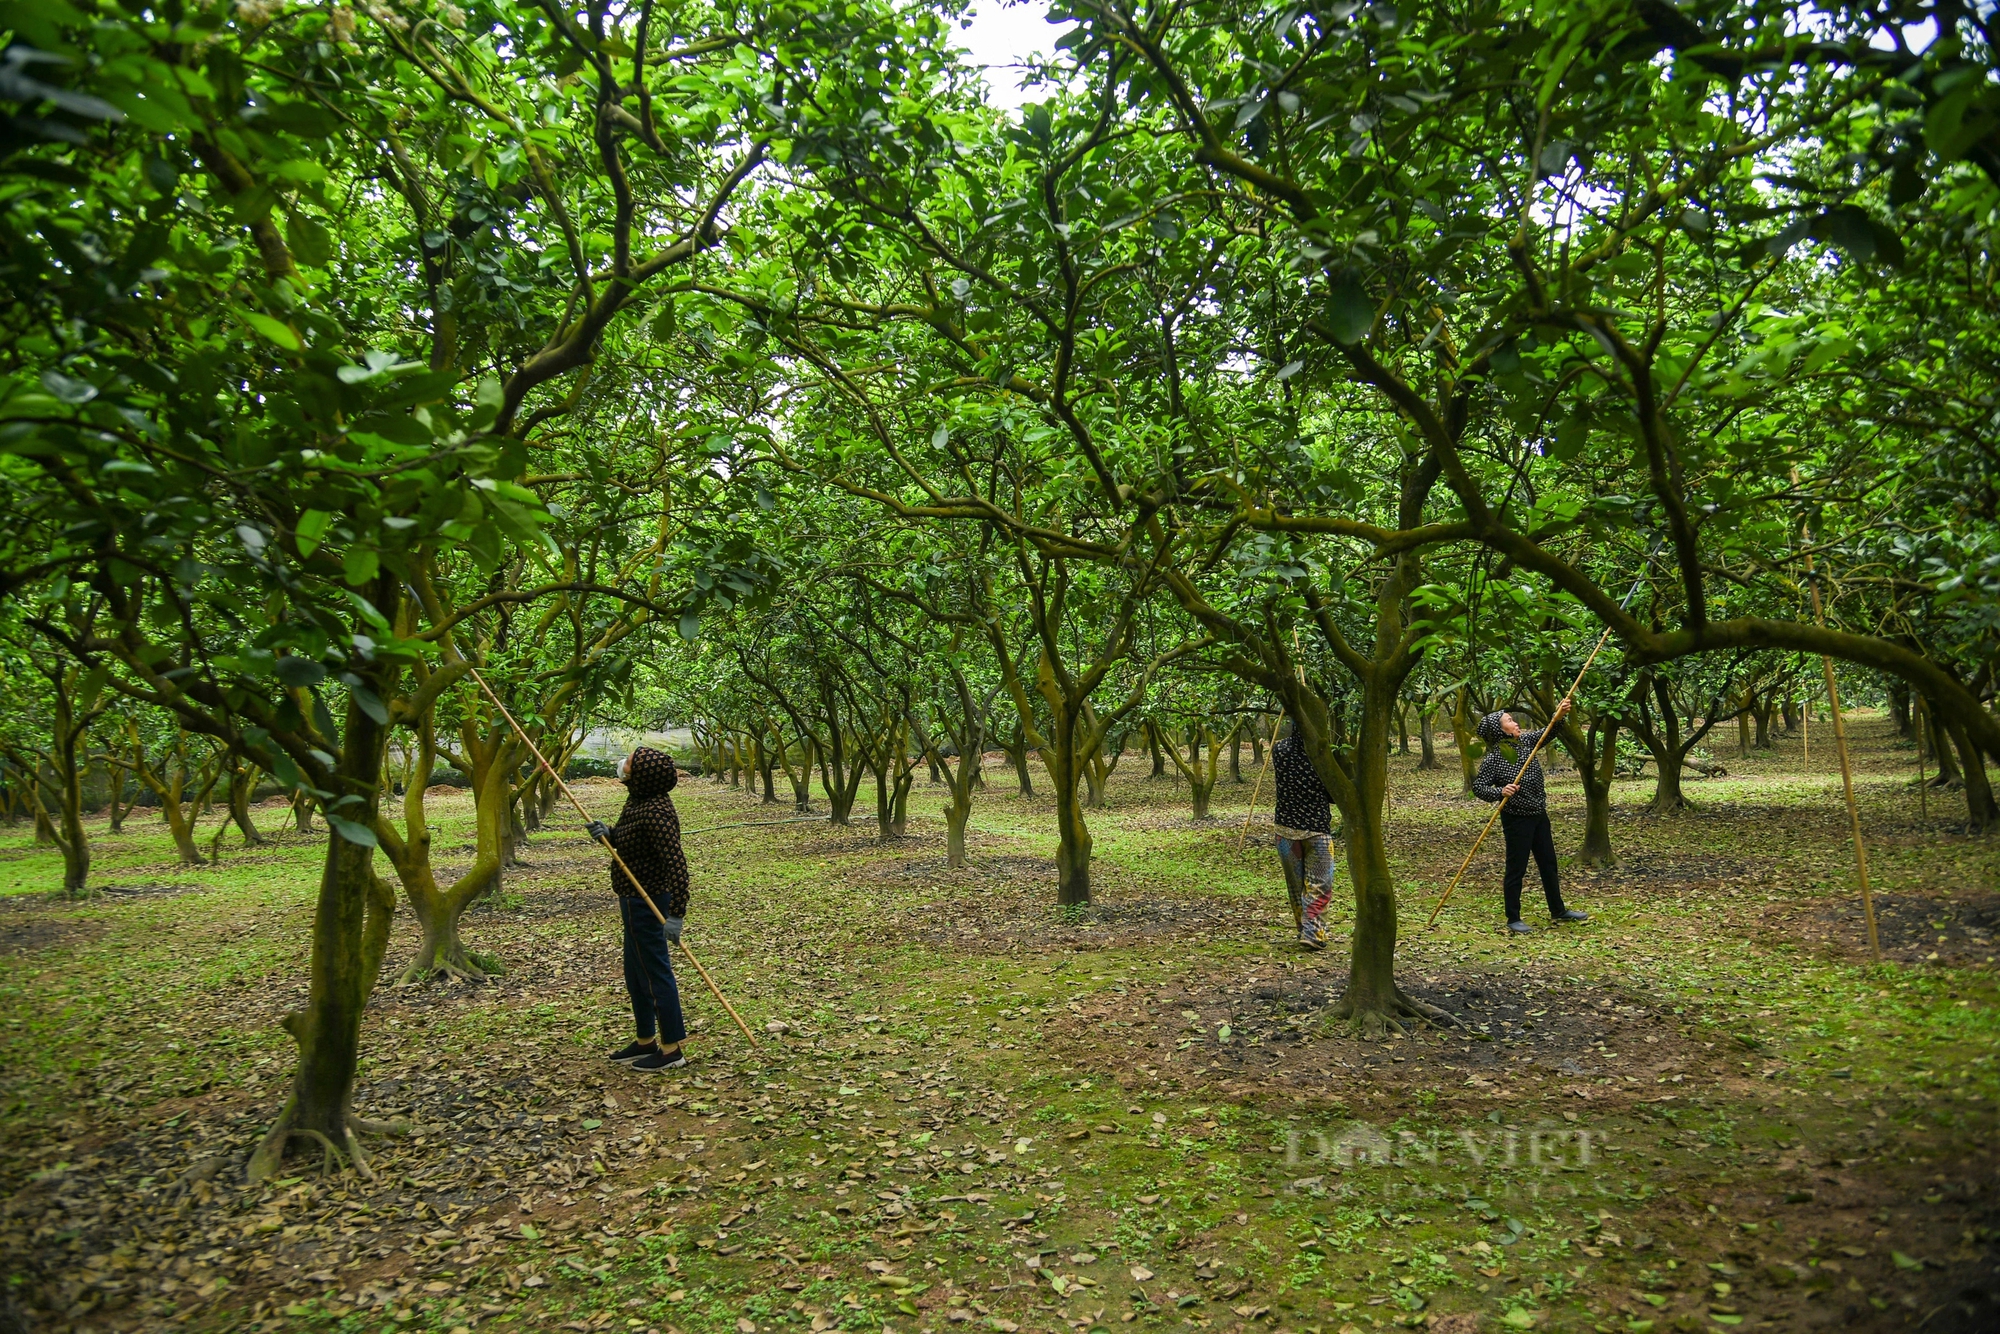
x: 1524, y: 812
x: 647, y: 839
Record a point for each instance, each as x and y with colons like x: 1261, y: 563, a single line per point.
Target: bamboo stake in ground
x: 1846, y: 773
x: 1923, y: 787
x: 550, y: 771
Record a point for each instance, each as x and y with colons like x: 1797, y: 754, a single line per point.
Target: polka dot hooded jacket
x: 648, y: 834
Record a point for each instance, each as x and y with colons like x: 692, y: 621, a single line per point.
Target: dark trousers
x: 1530, y: 834
x: 649, y: 974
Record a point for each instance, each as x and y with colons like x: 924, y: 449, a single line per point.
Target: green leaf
x: 370, y: 703
x: 1904, y: 1261
x: 311, y: 530
x: 358, y: 834
x: 360, y: 565
x: 1349, y: 312
x: 284, y: 335
x: 1519, y: 1318
x: 68, y: 389
x: 300, y: 673
x: 311, y: 244
x: 93, y: 686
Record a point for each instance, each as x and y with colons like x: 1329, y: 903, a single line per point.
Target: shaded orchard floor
x: 1705, y: 1108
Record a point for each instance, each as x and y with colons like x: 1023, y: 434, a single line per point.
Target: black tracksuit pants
x: 1530, y: 835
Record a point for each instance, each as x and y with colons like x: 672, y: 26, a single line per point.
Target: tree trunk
x: 1899, y: 705
x: 242, y: 782
x: 884, y: 803
x: 1597, y: 779
x: 1093, y: 782
x: 1153, y: 740
x: 1663, y: 739
x: 801, y: 781
x: 1743, y: 727
x: 1402, y: 729
x: 1236, y: 753
x: 1065, y: 766
x: 350, y: 931
x: 1017, y: 751
x: 1947, y: 762
x: 1980, y: 814
x: 75, y: 844
x: 179, y: 823
x: 1426, y: 738
x: 899, y: 801
x: 1461, y: 734
x: 438, y: 911
x: 302, y: 812
x: 765, y: 763
x: 957, y: 812
x: 1761, y: 715
x: 1791, y: 712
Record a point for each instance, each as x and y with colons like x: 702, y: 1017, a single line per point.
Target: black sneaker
x: 661, y: 1060
x: 1520, y: 928
x: 1572, y: 915
x: 632, y: 1051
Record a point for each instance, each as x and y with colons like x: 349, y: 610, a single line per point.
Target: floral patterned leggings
x: 1309, y: 879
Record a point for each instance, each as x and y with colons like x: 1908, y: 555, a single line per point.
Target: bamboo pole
x: 534, y: 750
x: 1846, y: 772
x: 1923, y: 739
x: 1257, y: 788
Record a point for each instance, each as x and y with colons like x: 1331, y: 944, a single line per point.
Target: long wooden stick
x: 1923, y: 739
x: 547, y: 768
x: 1846, y: 773
x: 1257, y: 787
x: 1501, y: 804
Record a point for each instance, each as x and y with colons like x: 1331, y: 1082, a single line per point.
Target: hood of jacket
x: 651, y: 774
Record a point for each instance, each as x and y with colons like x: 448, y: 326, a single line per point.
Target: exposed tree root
x: 1376, y: 1023
x: 269, y: 1155
x: 467, y: 967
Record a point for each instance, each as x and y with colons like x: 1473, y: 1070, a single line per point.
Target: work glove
x: 673, y: 929
x: 599, y: 831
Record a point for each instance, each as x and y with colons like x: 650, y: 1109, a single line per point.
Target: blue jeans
x: 649, y: 974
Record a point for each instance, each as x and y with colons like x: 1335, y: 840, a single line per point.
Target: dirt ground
x: 1707, y: 1107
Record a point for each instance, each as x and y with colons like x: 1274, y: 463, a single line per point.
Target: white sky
x: 1000, y: 36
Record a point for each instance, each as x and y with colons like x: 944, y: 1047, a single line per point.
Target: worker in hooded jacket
x: 648, y: 840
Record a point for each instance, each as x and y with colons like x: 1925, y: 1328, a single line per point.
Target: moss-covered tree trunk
x: 70, y: 837
x: 350, y: 932
x: 242, y: 783
x: 1980, y: 813
x: 442, y: 952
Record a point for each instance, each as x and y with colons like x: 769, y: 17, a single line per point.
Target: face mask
x: 625, y: 768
